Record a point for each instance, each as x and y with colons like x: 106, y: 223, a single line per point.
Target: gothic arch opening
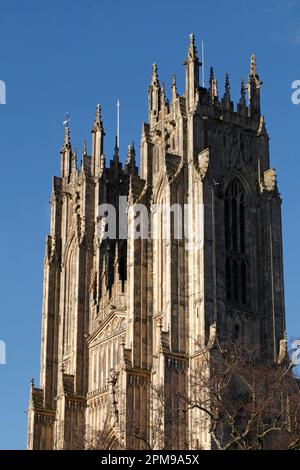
x: 70, y: 298
x: 236, y: 252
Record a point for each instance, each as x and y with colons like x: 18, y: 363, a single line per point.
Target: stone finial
x: 243, y: 94
x: 84, y: 149
x: 74, y: 160
x: 154, y: 77
x: 226, y: 97
x: 254, y: 84
x: 130, y: 167
x: 253, y: 70
x: 213, y: 85
x: 227, y: 84
x: 32, y: 382
x: 164, y: 101
x: 262, y: 126
x: 98, y: 124
x: 174, y: 88
x: 116, y: 154
x: 253, y: 75
x: 192, y: 53
x: 67, y: 140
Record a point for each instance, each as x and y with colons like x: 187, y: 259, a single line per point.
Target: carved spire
x: 67, y: 141
x: 164, y: 101
x: 192, y: 73
x: 242, y: 101
x: 74, y: 161
x: 227, y: 104
x: 227, y: 85
x: 192, y: 52
x: 154, y: 76
x: 243, y: 93
x: 174, y: 88
x: 84, y: 148
x: 254, y: 85
x: 130, y: 167
x: 154, y: 96
x: 116, y: 158
x: 65, y: 161
x: 98, y: 124
x: 213, y: 86
x: 253, y: 69
x: 97, y: 143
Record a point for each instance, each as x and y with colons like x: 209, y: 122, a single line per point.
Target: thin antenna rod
x: 203, y: 82
x: 118, y: 124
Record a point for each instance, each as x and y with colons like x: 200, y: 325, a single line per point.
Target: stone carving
x: 203, y: 159
x: 269, y: 179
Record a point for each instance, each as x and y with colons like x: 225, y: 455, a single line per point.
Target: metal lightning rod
x: 118, y: 124
x: 203, y: 64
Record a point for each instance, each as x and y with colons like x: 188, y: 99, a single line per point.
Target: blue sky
x: 59, y: 56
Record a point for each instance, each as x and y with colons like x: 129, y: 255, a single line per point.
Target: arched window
x: 235, y: 244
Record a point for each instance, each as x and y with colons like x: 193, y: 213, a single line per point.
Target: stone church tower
x: 126, y: 316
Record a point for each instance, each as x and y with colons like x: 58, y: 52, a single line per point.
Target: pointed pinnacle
x: 174, y: 88
x: 163, y: 93
x: 253, y: 70
x: 67, y: 141
x: 84, y: 149
x: 192, y: 51
x: 116, y: 152
x: 74, y: 159
x: 130, y: 168
x: 227, y: 83
x: 243, y: 93
x: 98, y: 119
x: 131, y: 152
x: 116, y: 144
x: 243, y: 86
x: 213, y: 85
x: 174, y: 81
x: 192, y: 47
x: 154, y: 77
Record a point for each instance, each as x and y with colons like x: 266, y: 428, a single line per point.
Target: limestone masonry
x: 124, y: 318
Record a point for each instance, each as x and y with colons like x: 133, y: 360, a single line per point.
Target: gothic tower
x: 125, y: 317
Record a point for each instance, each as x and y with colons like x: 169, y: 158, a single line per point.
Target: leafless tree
x: 237, y: 398
x: 246, y: 403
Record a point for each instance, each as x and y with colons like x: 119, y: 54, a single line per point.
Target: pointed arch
x: 236, y: 212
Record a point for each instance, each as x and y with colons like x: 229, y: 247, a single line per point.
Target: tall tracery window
x: 235, y: 244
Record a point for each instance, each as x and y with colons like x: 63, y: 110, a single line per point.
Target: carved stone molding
x: 203, y: 160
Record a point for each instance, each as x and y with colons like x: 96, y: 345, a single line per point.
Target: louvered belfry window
x: 235, y: 244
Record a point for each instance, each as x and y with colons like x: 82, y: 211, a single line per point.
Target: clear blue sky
x: 59, y: 56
